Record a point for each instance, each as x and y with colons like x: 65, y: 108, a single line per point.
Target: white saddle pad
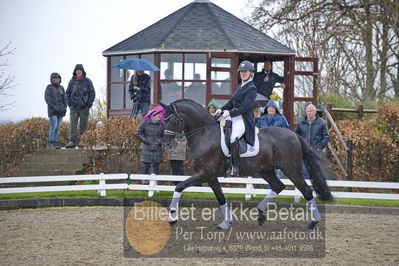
x: 251, y: 150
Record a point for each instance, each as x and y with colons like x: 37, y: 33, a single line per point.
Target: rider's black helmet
x: 246, y: 65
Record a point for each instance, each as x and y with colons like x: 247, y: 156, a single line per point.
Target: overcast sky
x: 55, y: 35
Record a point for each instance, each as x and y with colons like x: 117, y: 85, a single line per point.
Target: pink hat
x: 154, y: 111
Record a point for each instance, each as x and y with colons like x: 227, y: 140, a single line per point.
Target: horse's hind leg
x: 276, y: 185
x: 295, y: 175
x: 224, y: 208
x: 197, y: 178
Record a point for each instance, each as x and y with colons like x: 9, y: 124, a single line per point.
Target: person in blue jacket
x: 314, y: 130
x: 272, y: 117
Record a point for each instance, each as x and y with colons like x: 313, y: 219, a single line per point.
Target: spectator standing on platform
x: 80, y: 97
x: 56, y: 108
x: 267, y: 79
x: 140, y: 93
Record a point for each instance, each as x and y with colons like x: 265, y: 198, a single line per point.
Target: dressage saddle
x: 228, y: 129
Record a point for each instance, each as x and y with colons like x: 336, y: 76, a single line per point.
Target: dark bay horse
x: 280, y: 148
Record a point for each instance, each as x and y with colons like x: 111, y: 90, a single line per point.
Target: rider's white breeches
x: 238, y: 127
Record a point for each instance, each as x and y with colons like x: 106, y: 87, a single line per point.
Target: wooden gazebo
x: 198, y: 49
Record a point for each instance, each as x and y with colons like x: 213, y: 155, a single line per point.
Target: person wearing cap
x: 140, y: 93
x: 267, y: 79
x: 80, y: 96
x: 56, y: 108
x: 150, y: 133
x: 238, y: 110
x: 212, y: 107
x: 314, y: 130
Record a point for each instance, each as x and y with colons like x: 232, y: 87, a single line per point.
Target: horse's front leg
x: 196, y: 179
x: 224, y: 208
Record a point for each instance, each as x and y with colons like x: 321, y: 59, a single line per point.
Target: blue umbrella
x: 136, y: 64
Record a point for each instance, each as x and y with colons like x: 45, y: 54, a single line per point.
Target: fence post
x: 329, y: 109
x: 152, y: 184
x: 297, y: 198
x: 103, y: 192
x: 349, y: 159
x: 250, y: 187
x: 360, y: 112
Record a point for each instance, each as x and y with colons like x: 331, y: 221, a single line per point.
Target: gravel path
x: 94, y: 236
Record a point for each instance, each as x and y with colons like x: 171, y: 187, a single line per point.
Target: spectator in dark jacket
x: 140, y: 93
x: 80, y: 97
x: 56, y: 108
x: 267, y: 79
x: 314, y: 130
x: 150, y: 133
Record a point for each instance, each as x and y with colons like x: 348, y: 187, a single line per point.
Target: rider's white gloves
x: 226, y: 113
x: 218, y: 112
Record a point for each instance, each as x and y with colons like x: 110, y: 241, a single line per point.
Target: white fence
x: 156, y: 184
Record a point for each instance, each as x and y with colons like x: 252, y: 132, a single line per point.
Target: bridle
x: 180, y: 135
x: 176, y: 135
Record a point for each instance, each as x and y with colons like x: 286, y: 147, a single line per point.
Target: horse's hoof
x: 312, y: 225
x: 173, y: 217
x: 261, y: 219
x: 224, y: 225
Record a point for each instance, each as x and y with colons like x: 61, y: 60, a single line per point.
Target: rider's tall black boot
x: 234, y: 159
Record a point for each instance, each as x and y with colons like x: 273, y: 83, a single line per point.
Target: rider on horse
x: 238, y: 110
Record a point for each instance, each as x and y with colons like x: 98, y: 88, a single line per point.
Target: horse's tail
x: 312, y: 161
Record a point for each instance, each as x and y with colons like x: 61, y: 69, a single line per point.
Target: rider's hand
x: 218, y: 112
x: 226, y: 113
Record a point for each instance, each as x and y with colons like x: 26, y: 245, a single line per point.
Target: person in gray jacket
x: 177, y: 156
x: 56, y: 108
x: 80, y: 97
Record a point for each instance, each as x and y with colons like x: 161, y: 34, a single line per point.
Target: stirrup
x: 234, y: 172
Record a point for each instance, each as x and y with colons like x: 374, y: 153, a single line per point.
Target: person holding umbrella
x: 140, y: 93
x: 140, y: 84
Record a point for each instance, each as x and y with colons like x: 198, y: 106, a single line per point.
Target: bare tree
x: 357, y: 41
x: 6, y: 80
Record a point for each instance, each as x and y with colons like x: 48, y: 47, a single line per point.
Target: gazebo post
x: 288, y: 107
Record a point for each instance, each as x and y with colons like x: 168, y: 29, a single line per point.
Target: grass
x: 229, y: 197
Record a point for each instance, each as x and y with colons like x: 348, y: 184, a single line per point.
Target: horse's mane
x: 204, y: 114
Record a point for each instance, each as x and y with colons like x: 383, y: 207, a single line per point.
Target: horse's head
x: 174, y: 125
x: 185, y: 117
